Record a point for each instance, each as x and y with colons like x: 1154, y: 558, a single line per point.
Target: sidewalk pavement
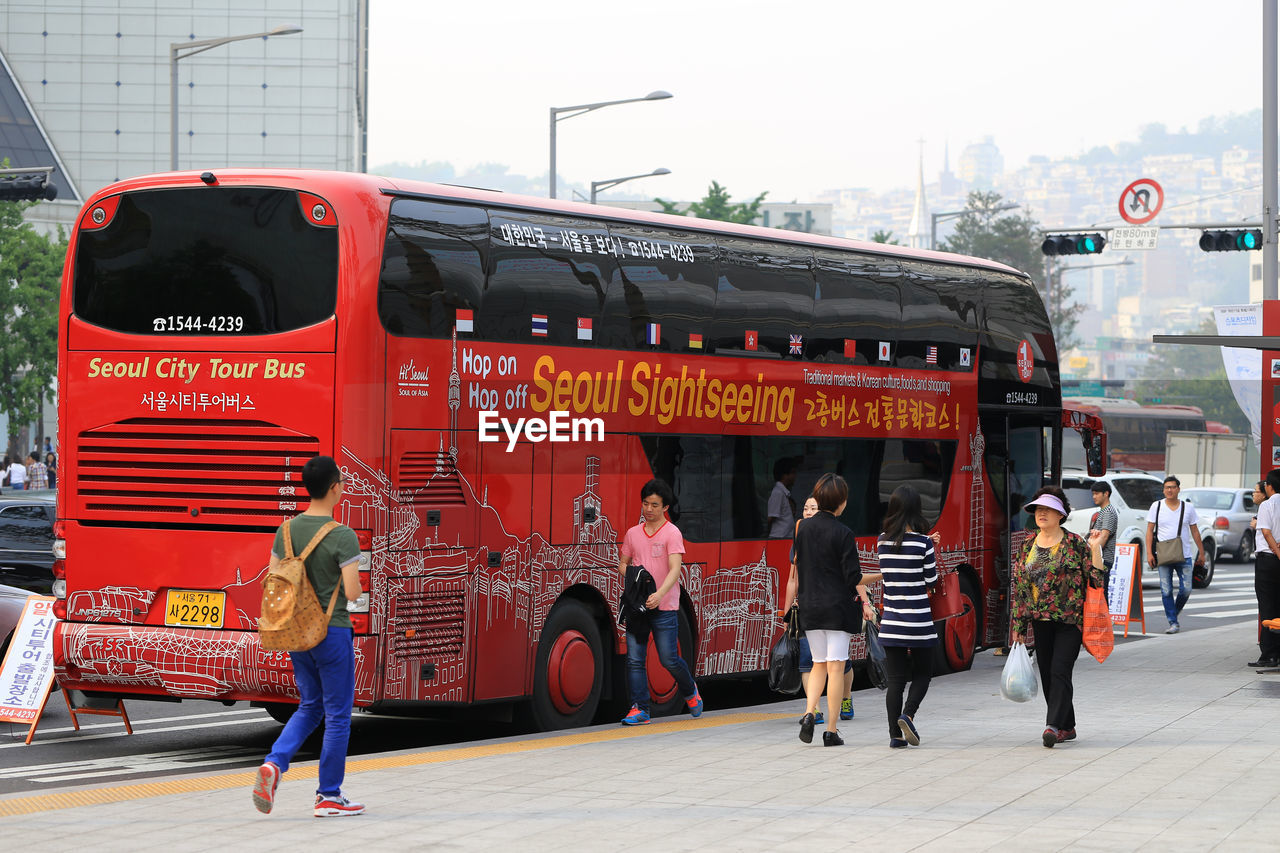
x: 1177, y: 750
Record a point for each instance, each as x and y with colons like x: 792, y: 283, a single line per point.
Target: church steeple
x: 918, y: 233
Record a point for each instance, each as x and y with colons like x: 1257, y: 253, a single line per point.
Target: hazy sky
x: 794, y: 97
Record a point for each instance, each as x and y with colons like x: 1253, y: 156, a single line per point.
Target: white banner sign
x: 27, y: 672
x: 1119, y: 585
x: 1244, y: 366
x: 1130, y: 238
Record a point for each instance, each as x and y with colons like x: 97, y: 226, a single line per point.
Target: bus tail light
x: 1221, y: 523
x: 359, y: 609
x: 59, y: 575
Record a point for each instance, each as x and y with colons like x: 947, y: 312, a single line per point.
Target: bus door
x: 1019, y: 457
x: 513, y: 480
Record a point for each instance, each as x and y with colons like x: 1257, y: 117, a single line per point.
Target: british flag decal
x: 797, y: 344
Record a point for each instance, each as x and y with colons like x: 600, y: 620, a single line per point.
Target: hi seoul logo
x: 556, y: 427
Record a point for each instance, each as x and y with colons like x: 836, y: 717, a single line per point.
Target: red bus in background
x: 1135, y: 433
x: 497, y: 377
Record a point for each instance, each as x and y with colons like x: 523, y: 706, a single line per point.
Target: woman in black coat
x: 830, y: 582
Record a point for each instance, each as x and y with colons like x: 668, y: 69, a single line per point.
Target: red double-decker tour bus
x: 497, y: 377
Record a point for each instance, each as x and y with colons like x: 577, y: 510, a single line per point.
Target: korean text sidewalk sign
x: 26, y: 675
x: 1124, y: 589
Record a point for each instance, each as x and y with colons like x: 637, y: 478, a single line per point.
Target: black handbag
x: 876, y: 657
x: 784, y: 658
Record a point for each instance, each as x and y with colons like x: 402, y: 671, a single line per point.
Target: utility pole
x: 1269, y: 177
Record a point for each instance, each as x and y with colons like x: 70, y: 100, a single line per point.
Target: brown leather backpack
x: 291, y: 619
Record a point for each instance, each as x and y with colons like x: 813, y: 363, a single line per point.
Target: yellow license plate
x: 189, y: 608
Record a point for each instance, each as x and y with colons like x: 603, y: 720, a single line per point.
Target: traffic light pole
x: 1269, y: 177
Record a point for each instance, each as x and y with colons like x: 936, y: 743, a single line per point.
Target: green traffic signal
x: 1073, y: 244
x: 1231, y: 241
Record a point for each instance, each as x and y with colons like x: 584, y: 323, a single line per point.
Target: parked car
x: 12, y: 602
x: 1132, y: 494
x: 1230, y: 511
x: 26, y: 542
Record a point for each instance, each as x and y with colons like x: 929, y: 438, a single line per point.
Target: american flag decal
x: 931, y: 355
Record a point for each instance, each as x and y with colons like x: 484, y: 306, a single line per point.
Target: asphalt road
x: 193, y: 736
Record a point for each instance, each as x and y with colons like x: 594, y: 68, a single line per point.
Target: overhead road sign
x: 1141, y: 201
x: 1134, y: 238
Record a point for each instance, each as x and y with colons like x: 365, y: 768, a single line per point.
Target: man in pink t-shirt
x: 656, y: 544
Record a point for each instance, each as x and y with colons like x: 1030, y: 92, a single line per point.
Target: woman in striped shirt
x: 906, y: 628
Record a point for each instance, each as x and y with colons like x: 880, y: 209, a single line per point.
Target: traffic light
x: 27, y: 185
x: 1231, y: 241
x: 1073, y: 244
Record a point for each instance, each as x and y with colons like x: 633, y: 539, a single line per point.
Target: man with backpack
x: 325, y: 673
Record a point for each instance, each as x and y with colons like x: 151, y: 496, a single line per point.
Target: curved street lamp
x: 952, y: 214
x: 596, y: 186
x: 586, y: 108
x: 183, y: 49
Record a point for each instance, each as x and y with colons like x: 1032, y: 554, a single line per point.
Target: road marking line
x: 99, y: 796
x: 122, y: 733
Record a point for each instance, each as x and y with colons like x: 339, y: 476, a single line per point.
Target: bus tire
x: 569, y: 672
x: 664, y: 693
x: 960, y: 633
x: 280, y: 711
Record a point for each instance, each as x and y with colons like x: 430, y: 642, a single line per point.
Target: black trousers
x: 1057, y: 647
x: 903, y: 664
x: 1266, y: 586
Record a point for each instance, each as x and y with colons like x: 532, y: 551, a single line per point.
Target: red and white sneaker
x: 264, y: 787
x: 338, y: 806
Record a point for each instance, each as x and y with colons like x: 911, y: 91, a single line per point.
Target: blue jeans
x: 665, y: 626
x: 326, y: 677
x: 1173, y: 607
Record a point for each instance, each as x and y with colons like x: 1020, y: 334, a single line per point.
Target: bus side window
x: 663, y: 291
x: 548, y: 279
x: 939, y: 310
x: 433, y: 265
x: 766, y: 289
x: 925, y: 465
x: 690, y: 464
x: 857, y: 308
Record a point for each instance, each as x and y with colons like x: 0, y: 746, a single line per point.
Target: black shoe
x: 806, y: 728
x: 1265, y: 662
x: 832, y: 739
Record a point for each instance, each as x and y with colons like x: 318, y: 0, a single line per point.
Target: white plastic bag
x: 1018, y: 680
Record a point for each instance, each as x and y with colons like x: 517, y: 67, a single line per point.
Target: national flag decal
x: 797, y: 344
x: 584, y: 328
x: 463, y: 321
x: 653, y: 334
x: 540, y: 325
x: 884, y: 350
x: 695, y: 341
x: 850, y: 348
x: 964, y: 357
x: 751, y: 340
x: 931, y: 355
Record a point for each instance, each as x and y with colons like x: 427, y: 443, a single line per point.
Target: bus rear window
x: 213, y: 260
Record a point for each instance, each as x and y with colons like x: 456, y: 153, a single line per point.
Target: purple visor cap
x: 1048, y: 501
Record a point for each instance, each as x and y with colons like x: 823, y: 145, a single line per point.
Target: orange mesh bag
x: 291, y: 619
x: 1098, y: 637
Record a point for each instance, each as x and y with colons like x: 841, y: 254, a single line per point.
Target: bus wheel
x: 570, y: 669
x: 280, y: 711
x: 664, y: 693
x: 960, y: 633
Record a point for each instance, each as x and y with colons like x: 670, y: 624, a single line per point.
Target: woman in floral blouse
x: 1049, y: 579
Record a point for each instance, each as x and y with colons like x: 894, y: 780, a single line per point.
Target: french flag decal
x: 540, y: 325
x: 653, y: 334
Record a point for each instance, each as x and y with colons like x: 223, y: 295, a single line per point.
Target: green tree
x: 1014, y: 240
x: 886, y: 237
x: 1184, y: 375
x: 30, y: 272
x: 716, y: 205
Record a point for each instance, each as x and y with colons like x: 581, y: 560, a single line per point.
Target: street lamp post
x: 1055, y: 294
x: 183, y: 49
x: 596, y: 186
x: 952, y: 214
x: 586, y: 108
